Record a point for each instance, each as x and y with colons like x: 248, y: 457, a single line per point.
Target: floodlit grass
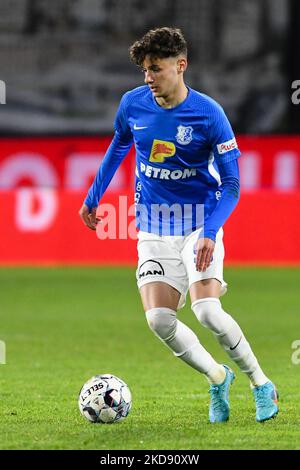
x: 63, y: 325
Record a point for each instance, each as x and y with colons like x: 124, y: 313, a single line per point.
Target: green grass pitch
x: 63, y: 325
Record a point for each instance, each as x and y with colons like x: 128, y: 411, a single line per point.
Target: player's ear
x: 181, y: 65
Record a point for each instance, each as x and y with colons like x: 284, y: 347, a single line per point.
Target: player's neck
x: 175, y: 98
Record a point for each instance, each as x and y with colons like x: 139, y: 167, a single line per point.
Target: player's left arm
x: 229, y: 173
x: 226, y: 153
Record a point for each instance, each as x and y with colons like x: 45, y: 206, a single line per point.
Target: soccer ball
x: 104, y: 399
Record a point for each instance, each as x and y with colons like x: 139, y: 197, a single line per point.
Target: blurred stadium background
x: 65, y: 65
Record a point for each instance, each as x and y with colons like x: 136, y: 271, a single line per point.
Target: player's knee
x: 162, y: 322
x: 210, y: 314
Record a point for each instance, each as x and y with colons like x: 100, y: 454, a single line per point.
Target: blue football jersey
x: 178, y: 151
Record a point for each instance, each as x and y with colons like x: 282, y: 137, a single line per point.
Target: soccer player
x: 187, y: 185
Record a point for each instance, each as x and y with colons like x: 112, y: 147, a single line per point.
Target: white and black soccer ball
x: 104, y: 399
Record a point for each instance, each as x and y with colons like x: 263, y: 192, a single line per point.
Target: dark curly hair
x: 158, y: 43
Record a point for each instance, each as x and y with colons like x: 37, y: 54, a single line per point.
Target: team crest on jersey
x: 184, y: 134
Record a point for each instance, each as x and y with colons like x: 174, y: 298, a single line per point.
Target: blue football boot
x: 266, y: 399
x: 219, y: 398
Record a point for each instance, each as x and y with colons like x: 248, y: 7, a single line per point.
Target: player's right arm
x: 113, y: 157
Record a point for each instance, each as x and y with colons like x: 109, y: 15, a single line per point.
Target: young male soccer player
x: 186, y: 162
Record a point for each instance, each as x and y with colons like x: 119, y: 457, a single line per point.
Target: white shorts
x: 171, y: 259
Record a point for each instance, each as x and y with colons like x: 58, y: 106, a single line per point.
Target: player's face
x: 163, y: 75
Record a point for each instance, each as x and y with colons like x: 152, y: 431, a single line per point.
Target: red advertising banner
x: 42, y: 226
x: 46, y: 229
x: 58, y: 162
x: 264, y: 229
x: 270, y: 162
x: 267, y: 162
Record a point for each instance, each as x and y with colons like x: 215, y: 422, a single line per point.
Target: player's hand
x: 204, y: 249
x: 88, y: 216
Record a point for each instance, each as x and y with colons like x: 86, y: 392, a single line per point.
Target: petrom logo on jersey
x: 161, y: 149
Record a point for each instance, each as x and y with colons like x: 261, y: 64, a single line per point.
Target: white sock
x: 184, y: 343
x: 211, y: 315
